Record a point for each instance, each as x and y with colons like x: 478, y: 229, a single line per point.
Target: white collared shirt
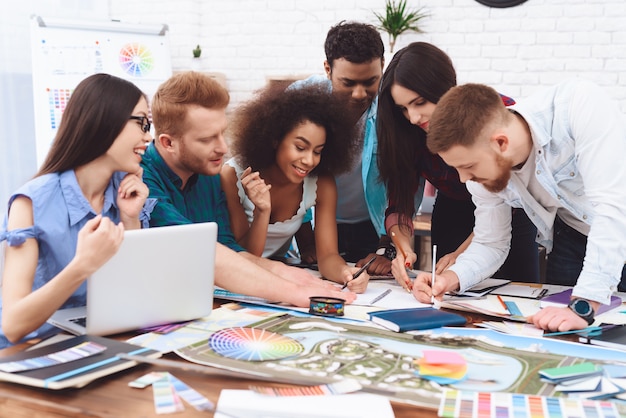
x: 579, y: 147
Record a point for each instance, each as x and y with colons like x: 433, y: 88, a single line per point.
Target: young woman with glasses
x: 70, y: 219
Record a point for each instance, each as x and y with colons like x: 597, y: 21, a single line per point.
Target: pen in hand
x: 434, y: 274
x: 359, y: 271
x: 409, y: 286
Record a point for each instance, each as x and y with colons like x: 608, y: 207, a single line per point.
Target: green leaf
x: 398, y: 19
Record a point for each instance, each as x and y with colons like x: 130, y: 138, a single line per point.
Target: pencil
x: 399, y: 247
x: 379, y: 297
x: 506, y: 308
x: 395, y: 242
x: 434, y: 274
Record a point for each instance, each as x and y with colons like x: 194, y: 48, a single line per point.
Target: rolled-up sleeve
x: 492, y: 238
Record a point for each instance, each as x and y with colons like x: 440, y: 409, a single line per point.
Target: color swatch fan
x: 253, y: 344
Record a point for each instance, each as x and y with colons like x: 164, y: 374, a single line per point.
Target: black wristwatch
x: 582, y: 308
x: 388, y: 251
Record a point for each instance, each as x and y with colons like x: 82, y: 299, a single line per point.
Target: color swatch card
x: 573, y: 372
x: 442, y: 366
x: 72, y: 362
x: 337, y: 388
x: 79, y: 351
x: 465, y: 404
x: 169, y: 391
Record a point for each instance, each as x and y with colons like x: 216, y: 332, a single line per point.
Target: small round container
x: 326, y: 306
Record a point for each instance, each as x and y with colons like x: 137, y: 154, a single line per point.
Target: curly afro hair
x: 354, y: 41
x: 259, y: 125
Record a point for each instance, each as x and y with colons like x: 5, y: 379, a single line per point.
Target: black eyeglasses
x: 145, y: 122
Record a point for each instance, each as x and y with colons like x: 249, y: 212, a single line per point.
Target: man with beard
x: 559, y: 156
x: 181, y: 169
x: 353, y: 70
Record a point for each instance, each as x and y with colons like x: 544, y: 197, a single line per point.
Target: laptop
x: 158, y: 276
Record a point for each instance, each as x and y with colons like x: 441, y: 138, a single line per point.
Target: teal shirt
x: 201, y: 200
x: 375, y: 191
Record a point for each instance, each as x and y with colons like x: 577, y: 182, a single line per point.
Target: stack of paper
x: 574, y: 372
x: 585, y: 380
x: 485, y: 286
x: 246, y: 403
x: 491, y: 305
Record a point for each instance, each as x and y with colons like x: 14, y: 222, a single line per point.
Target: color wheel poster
x: 65, y: 54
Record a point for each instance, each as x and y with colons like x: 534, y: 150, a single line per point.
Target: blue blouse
x: 60, y: 210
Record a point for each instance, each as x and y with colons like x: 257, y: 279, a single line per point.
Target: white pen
x: 432, y: 281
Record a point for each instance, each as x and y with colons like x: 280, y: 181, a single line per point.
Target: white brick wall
x: 515, y: 50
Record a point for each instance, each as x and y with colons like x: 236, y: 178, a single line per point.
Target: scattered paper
x: 249, y: 404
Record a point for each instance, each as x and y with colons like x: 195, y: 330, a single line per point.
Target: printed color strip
x: 466, y: 404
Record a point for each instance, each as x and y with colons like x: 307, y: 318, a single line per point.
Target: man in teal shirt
x: 200, y: 199
x: 181, y: 169
x: 354, y: 67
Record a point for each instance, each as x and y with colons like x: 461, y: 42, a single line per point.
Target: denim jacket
x: 579, y: 144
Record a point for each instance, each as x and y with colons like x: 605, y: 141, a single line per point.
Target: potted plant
x: 398, y: 19
x: 197, y: 51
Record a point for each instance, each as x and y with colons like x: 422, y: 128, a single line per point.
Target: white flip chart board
x: 65, y: 52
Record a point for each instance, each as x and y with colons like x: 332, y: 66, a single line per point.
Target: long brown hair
x: 428, y: 71
x: 96, y: 113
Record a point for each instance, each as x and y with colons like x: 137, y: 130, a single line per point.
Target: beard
x: 504, y: 175
x: 193, y: 164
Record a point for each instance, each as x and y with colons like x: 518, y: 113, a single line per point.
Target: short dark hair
x: 428, y: 71
x: 356, y: 42
x: 259, y: 125
x: 96, y: 113
x: 462, y: 116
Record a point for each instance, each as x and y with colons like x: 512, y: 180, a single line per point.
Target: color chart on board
x: 253, y: 344
x: 57, y: 100
x: 465, y: 404
x: 136, y: 59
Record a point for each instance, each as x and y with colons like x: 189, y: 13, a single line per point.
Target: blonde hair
x: 170, y: 102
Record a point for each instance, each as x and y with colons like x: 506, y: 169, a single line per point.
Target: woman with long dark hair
x: 65, y: 223
x: 416, y: 78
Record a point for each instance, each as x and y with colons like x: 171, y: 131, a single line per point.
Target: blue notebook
x: 413, y: 319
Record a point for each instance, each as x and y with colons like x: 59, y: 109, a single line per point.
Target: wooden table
x: 112, y: 397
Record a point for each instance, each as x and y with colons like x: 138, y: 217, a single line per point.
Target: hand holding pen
x: 402, y: 278
x: 434, y: 273
x: 359, y: 271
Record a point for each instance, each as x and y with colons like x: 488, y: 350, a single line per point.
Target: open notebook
x: 158, y: 276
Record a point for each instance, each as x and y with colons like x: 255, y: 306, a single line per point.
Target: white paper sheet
x: 249, y: 404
